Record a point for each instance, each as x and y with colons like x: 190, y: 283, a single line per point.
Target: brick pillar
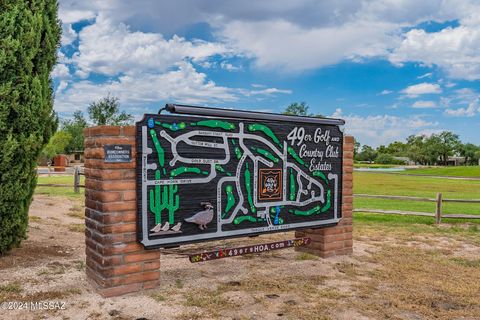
x: 116, y: 262
x: 327, y: 242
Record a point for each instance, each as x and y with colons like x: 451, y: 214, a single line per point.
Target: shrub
x: 384, y: 158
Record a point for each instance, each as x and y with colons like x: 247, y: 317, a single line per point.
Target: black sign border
x: 138, y: 179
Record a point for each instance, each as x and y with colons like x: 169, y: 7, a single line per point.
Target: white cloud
x: 60, y: 71
x: 429, y: 132
x: 184, y: 84
x: 385, y: 92
x: 472, y: 109
x: 280, y: 43
x: 375, y: 130
x: 424, y: 104
x: 229, y: 67
x: 113, y: 49
x: 421, y: 88
x: 68, y: 34
x: 426, y: 75
x: 454, y: 49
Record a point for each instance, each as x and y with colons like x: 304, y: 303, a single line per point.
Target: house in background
x: 75, y: 157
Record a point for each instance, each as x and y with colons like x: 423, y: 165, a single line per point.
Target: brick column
x: 116, y: 262
x: 327, y: 242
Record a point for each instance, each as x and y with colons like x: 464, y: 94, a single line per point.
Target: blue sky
x: 390, y: 68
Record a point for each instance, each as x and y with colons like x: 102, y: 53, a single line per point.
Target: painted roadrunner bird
x: 203, y: 217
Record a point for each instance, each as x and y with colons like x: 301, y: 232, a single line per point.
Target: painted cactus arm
x: 173, y: 202
x: 156, y: 200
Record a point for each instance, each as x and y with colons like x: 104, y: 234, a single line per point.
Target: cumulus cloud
x: 454, y: 49
x: 183, y: 84
x: 385, y: 92
x: 424, y: 104
x: 125, y: 51
x: 472, y: 109
x: 421, y: 88
x: 280, y: 43
x: 375, y: 130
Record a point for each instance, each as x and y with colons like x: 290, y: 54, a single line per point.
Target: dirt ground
x: 389, y: 276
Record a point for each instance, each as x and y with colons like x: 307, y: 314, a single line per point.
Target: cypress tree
x: 29, y: 39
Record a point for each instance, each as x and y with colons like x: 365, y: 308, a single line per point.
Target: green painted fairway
x: 460, y: 171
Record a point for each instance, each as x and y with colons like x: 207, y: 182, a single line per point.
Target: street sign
x: 206, y: 178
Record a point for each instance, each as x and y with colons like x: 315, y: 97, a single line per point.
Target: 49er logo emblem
x: 270, y: 184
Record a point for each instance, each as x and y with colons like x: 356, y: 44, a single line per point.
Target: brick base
x: 116, y: 263
x: 328, y: 242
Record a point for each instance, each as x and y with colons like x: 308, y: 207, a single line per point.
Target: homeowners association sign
x: 216, y: 173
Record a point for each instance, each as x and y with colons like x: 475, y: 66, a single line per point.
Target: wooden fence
x: 76, y: 182
x: 438, y: 215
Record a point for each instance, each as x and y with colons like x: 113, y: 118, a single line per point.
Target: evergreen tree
x: 29, y: 39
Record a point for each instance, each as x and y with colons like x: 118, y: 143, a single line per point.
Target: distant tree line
x: 422, y: 149
x: 69, y: 137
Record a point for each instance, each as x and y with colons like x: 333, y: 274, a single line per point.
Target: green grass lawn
x: 460, y: 171
x: 60, y: 191
x: 401, y: 185
x: 375, y: 165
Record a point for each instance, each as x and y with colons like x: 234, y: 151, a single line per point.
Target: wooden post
x: 76, y: 180
x: 438, y: 211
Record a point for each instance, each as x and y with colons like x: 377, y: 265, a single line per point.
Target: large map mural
x: 209, y: 178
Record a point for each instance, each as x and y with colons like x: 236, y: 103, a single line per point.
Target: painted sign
x: 118, y: 153
x: 256, y: 248
x: 206, y: 178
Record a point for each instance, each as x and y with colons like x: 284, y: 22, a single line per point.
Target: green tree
x: 106, y: 111
x: 75, y: 128
x: 448, y: 144
x: 367, y: 154
x: 471, y: 153
x: 298, y: 109
x: 356, y: 149
x: 29, y: 39
x: 57, y: 144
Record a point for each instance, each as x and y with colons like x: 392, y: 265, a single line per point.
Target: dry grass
x: 77, y: 211
x: 77, y: 227
x: 427, y: 283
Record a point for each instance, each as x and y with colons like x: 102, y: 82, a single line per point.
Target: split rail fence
x: 438, y: 215
x: 76, y: 181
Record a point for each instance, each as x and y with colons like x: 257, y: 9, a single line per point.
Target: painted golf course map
x: 205, y: 178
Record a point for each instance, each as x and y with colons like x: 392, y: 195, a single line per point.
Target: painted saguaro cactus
x: 156, y: 205
x: 171, y: 203
x: 167, y: 199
